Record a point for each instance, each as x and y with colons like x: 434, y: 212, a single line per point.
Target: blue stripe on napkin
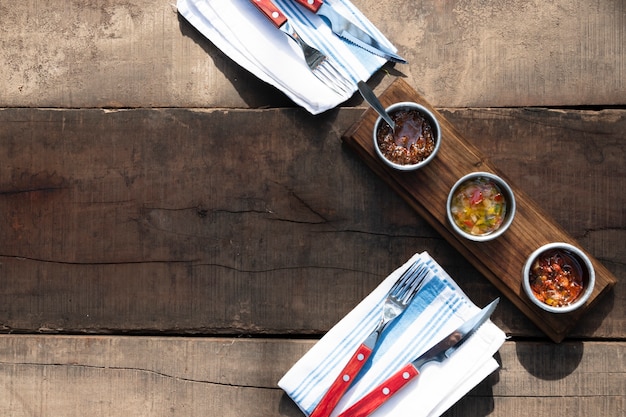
x: 399, y: 327
x: 345, y: 349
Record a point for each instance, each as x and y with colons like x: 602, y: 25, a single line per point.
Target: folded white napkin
x: 243, y: 33
x: 438, y: 309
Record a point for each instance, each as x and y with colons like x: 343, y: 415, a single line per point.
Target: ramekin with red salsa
x: 558, y: 277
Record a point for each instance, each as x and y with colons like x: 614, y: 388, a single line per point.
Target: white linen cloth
x: 243, y: 33
x: 438, y: 309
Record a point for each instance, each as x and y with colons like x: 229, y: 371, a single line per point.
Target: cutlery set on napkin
x: 428, y: 357
x: 259, y: 36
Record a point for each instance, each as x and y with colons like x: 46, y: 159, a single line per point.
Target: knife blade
x: 350, y: 31
x: 439, y: 352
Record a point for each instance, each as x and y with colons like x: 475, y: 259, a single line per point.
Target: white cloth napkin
x: 438, y: 309
x: 243, y: 33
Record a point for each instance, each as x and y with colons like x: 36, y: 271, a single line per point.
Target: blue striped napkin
x: 239, y: 29
x: 438, y: 309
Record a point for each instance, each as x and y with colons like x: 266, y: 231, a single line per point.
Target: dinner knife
x: 349, y: 31
x: 439, y: 352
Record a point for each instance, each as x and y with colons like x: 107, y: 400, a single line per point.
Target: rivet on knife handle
x: 271, y: 11
x: 312, y: 5
x: 368, y: 404
x: 342, y: 383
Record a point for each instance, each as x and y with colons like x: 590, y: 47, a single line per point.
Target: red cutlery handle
x: 272, y: 12
x: 366, y: 405
x: 343, y: 381
x: 312, y: 5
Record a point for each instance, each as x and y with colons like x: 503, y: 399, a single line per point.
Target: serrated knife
x: 349, y: 31
x: 441, y: 351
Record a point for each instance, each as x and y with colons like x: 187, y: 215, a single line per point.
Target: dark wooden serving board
x: 426, y: 190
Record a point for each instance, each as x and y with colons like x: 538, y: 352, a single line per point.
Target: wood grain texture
x: 502, y: 259
x: 141, y: 53
x: 165, y: 221
x: 154, y: 376
x: 176, y: 215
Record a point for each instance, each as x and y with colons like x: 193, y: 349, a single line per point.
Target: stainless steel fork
x: 398, y: 298
x: 320, y: 65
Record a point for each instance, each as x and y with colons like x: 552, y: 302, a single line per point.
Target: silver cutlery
x: 319, y: 63
x: 398, y: 298
x: 439, y: 352
x: 349, y: 31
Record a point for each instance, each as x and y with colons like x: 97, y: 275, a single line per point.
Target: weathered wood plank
x: 140, y: 53
x: 139, y: 376
x: 176, y: 221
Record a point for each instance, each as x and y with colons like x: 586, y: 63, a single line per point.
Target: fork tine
x: 319, y: 64
x: 404, y: 277
x: 327, y: 72
x: 339, y: 77
x: 415, y: 285
x: 400, y: 281
x: 409, y: 283
x: 323, y: 75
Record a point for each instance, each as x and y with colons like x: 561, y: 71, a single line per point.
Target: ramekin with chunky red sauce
x: 558, y: 277
x: 415, y: 140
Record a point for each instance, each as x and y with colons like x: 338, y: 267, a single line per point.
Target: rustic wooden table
x: 176, y: 233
